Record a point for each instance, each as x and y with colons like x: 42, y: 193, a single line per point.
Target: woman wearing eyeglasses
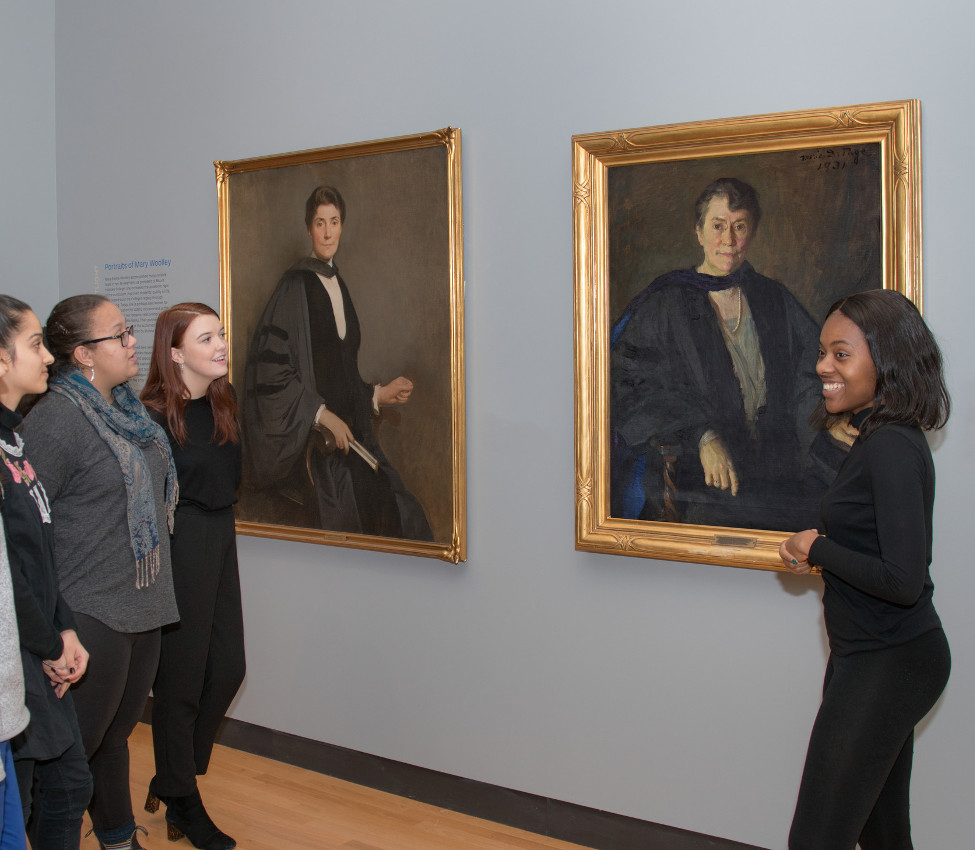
x: 110, y: 478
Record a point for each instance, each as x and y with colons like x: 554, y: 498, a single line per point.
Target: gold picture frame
x: 840, y: 192
x: 402, y: 254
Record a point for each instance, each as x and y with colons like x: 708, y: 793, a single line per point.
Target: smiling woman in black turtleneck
x: 201, y: 660
x: 889, y: 659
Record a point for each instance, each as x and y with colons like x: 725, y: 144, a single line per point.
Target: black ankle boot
x: 153, y: 799
x: 187, y: 816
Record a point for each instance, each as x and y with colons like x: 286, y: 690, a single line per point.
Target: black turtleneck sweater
x: 208, y: 473
x: 876, y: 552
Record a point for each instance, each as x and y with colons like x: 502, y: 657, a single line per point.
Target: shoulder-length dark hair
x: 166, y: 393
x: 911, y: 386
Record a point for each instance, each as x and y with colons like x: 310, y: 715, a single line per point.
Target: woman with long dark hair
x: 201, y: 665
x: 51, y: 768
x: 111, y: 482
x: 889, y: 659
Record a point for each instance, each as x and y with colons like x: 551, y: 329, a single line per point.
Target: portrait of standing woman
x: 306, y: 408
x: 889, y: 659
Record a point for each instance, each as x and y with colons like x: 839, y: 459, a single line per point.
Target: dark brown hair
x: 323, y: 195
x: 68, y: 326
x: 12, y: 311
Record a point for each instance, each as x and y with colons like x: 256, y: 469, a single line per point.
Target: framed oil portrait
x: 705, y: 257
x: 341, y: 286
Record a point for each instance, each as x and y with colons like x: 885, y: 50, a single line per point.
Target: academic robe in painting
x: 296, y: 363
x: 673, y: 379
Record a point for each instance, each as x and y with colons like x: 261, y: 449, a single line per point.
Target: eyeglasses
x: 123, y: 337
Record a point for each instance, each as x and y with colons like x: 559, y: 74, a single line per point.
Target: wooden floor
x: 268, y: 805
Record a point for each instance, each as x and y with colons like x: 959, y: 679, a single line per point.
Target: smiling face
x: 24, y: 365
x: 845, y: 366
x: 202, y: 354
x: 113, y: 363
x: 325, y: 231
x: 725, y: 236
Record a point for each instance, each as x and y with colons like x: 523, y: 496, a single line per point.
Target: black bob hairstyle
x: 910, y: 373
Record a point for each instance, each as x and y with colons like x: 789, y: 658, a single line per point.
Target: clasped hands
x: 794, y: 551
x: 70, y: 667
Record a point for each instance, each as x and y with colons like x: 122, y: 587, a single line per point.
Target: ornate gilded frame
x: 404, y: 198
x: 891, y: 128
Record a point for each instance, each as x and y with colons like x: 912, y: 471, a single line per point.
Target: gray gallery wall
x: 28, y: 173
x: 678, y: 693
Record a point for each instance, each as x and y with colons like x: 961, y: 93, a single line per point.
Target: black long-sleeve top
x: 208, y: 473
x: 42, y: 613
x: 876, y: 552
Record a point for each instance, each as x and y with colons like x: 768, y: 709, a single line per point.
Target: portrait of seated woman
x: 712, y: 382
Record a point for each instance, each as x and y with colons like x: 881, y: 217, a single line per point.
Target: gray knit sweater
x: 95, y: 561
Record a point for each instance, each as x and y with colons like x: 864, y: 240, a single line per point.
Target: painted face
x: 325, y: 231
x: 26, y: 363
x: 114, y: 363
x: 202, y: 354
x: 845, y: 366
x: 725, y: 238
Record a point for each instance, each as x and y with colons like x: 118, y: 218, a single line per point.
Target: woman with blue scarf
x: 110, y: 478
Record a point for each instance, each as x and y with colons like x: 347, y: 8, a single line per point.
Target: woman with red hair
x: 201, y: 664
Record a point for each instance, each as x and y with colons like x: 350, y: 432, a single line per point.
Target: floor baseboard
x: 541, y: 815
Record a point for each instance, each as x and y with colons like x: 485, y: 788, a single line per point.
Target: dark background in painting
x: 394, y: 257
x: 821, y: 233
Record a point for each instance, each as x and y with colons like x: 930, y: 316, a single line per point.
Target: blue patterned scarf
x: 126, y: 428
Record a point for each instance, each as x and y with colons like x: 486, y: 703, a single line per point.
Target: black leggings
x: 857, y: 779
x: 110, y: 699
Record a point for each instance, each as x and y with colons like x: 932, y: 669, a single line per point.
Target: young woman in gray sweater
x: 111, y: 482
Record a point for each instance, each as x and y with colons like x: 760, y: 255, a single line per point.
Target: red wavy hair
x: 165, y: 391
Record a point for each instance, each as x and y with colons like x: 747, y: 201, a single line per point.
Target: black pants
x: 857, y: 779
x: 201, y: 664
x: 109, y: 701
x: 54, y: 794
